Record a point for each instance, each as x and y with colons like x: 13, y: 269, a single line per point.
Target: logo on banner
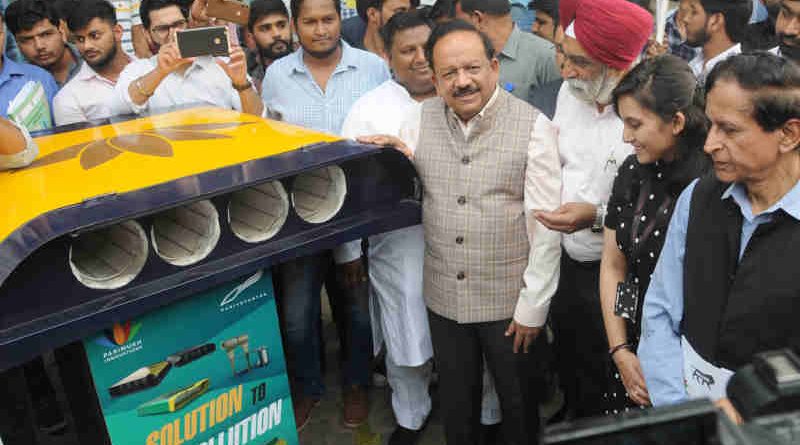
x: 120, y: 340
x: 234, y: 298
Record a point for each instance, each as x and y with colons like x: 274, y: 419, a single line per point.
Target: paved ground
x: 326, y: 428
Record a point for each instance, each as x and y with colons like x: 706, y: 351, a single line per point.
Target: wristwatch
x: 599, y: 217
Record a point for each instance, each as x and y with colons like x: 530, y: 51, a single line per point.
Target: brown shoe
x: 302, y: 410
x: 356, y: 406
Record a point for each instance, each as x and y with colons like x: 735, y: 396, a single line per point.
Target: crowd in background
x: 604, y: 215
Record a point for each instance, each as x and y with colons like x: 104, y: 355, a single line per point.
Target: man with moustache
x: 787, y: 27
x: 166, y: 80
x: 270, y: 33
x: 98, y: 37
x: 398, y: 310
x: 315, y: 87
x: 36, y: 26
x: 725, y: 287
x: 715, y: 26
x: 490, y: 269
x: 602, y: 40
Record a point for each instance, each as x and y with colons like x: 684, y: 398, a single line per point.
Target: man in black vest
x: 725, y: 287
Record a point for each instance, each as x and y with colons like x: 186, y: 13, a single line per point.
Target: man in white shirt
x: 398, y: 311
x: 787, y: 26
x: 98, y: 37
x: 167, y: 80
x: 17, y: 149
x: 602, y: 40
x: 490, y: 269
x: 716, y: 26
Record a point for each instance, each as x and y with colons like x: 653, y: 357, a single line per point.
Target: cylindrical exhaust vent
x: 186, y: 235
x: 318, y: 195
x: 256, y: 214
x: 109, y: 258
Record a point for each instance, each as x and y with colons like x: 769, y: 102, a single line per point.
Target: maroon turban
x: 613, y: 32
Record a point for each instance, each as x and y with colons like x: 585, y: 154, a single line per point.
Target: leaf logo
x: 119, y: 334
x: 231, y: 296
x: 156, y: 142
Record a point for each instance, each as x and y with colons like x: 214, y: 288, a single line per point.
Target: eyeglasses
x: 163, y: 30
x: 580, y: 62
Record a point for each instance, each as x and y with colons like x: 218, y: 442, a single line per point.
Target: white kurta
x: 399, y: 316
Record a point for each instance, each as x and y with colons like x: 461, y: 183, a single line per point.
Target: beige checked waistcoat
x: 476, y: 244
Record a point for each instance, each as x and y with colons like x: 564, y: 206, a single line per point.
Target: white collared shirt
x: 591, y: 149
x: 86, y: 97
x: 701, y: 67
x: 203, y: 83
x: 543, y: 181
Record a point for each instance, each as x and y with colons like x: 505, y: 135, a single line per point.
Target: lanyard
x: 662, y: 215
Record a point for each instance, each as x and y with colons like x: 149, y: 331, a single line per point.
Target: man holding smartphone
x: 167, y: 79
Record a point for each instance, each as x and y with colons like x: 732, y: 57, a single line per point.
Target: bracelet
x: 140, y: 88
x: 244, y: 87
x: 618, y: 348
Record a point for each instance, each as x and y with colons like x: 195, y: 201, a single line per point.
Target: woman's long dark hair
x: 665, y: 85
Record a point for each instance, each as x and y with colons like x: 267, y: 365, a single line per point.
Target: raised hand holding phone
x: 169, y: 56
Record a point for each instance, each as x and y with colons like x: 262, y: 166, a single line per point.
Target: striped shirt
x: 290, y: 91
x: 127, y: 17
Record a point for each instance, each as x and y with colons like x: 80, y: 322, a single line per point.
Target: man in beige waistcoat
x: 490, y: 268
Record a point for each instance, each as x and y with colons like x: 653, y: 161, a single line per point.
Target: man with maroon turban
x: 603, y: 40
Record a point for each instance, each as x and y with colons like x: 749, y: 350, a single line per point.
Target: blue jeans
x: 300, y: 281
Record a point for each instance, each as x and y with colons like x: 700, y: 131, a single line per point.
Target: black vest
x: 734, y: 309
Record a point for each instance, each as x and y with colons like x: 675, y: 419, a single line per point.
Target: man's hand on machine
x: 387, y: 141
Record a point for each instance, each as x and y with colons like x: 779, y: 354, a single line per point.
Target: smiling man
x: 490, y: 269
x: 42, y: 39
x: 98, y: 37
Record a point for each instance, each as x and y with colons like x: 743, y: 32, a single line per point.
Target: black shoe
x: 405, y: 436
x: 490, y: 434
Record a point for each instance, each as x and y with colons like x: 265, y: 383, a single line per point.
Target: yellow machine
x: 118, y: 219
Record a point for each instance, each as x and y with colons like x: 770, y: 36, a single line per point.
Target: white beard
x: 596, y: 91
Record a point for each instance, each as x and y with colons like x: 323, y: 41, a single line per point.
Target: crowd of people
x: 603, y: 213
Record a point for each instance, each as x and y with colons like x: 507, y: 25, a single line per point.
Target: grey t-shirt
x: 526, y: 62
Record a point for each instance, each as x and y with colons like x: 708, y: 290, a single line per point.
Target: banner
x: 208, y: 370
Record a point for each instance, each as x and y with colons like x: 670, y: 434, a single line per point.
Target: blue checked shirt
x: 291, y: 93
x: 677, y: 46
